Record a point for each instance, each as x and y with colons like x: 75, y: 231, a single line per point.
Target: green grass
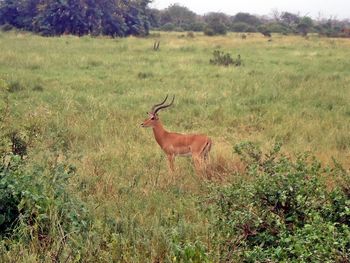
x: 86, y: 97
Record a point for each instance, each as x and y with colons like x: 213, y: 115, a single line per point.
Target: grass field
x: 85, y: 98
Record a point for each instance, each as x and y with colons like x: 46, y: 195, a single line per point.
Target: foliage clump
x: 108, y: 17
x: 285, y: 213
x: 37, y: 205
x: 30, y: 197
x: 190, y: 34
x: 224, y: 59
x: 15, y: 86
x: 215, y: 28
x: 216, y: 24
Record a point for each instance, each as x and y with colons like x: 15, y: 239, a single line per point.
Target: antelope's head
x: 153, y: 118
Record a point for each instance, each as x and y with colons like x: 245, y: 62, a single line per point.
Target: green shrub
x: 196, y: 26
x: 242, y: 27
x: 168, y: 27
x: 263, y: 29
x: 208, y: 31
x: 15, y: 86
x: 6, y: 27
x: 38, y: 87
x: 190, y: 34
x: 220, y: 58
x: 215, y: 27
x: 190, y: 252
x: 277, y: 28
x: 285, y: 213
x: 145, y: 75
x: 36, y: 203
x: 18, y: 144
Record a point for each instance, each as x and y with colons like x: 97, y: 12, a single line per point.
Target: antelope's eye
x: 152, y: 118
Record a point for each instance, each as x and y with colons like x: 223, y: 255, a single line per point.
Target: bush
x: 264, y: 30
x: 242, y: 27
x: 39, y: 212
x: 18, y: 144
x: 168, y: 27
x: 190, y: 34
x: 220, y: 58
x: 15, y: 86
x: 144, y: 75
x: 6, y: 27
x: 208, y: 31
x: 196, y: 26
x: 56, y: 17
x: 38, y: 87
x: 215, y: 28
x: 277, y: 28
x: 285, y: 213
x: 35, y: 203
x: 33, y: 198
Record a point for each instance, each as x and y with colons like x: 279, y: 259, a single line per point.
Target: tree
x: 289, y: 22
x: 78, y: 17
x: 246, y: 18
x: 180, y: 16
x: 305, y: 25
x: 154, y: 17
x: 290, y: 19
x: 9, y: 12
x: 263, y: 29
x: 277, y: 27
x: 217, y: 23
x: 242, y: 27
x: 217, y: 17
x: 135, y: 15
x: 331, y: 27
x: 59, y: 17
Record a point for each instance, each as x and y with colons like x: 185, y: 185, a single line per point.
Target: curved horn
x: 156, y: 105
x: 165, y: 106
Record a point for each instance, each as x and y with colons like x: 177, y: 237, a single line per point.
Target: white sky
x: 339, y: 9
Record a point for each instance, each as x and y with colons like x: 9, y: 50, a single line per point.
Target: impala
x: 176, y: 144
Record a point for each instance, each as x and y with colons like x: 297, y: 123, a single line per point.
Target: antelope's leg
x: 205, y: 160
x: 171, y: 158
x: 206, y: 150
x: 197, y: 160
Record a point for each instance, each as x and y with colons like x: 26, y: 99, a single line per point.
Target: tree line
x: 119, y: 18
x: 77, y: 17
x: 180, y: 18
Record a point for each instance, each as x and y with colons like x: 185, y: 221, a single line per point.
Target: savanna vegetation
x: 180, y: 18
x: 119, y: 18
x: 81, y: 181
x: 115, y: 18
